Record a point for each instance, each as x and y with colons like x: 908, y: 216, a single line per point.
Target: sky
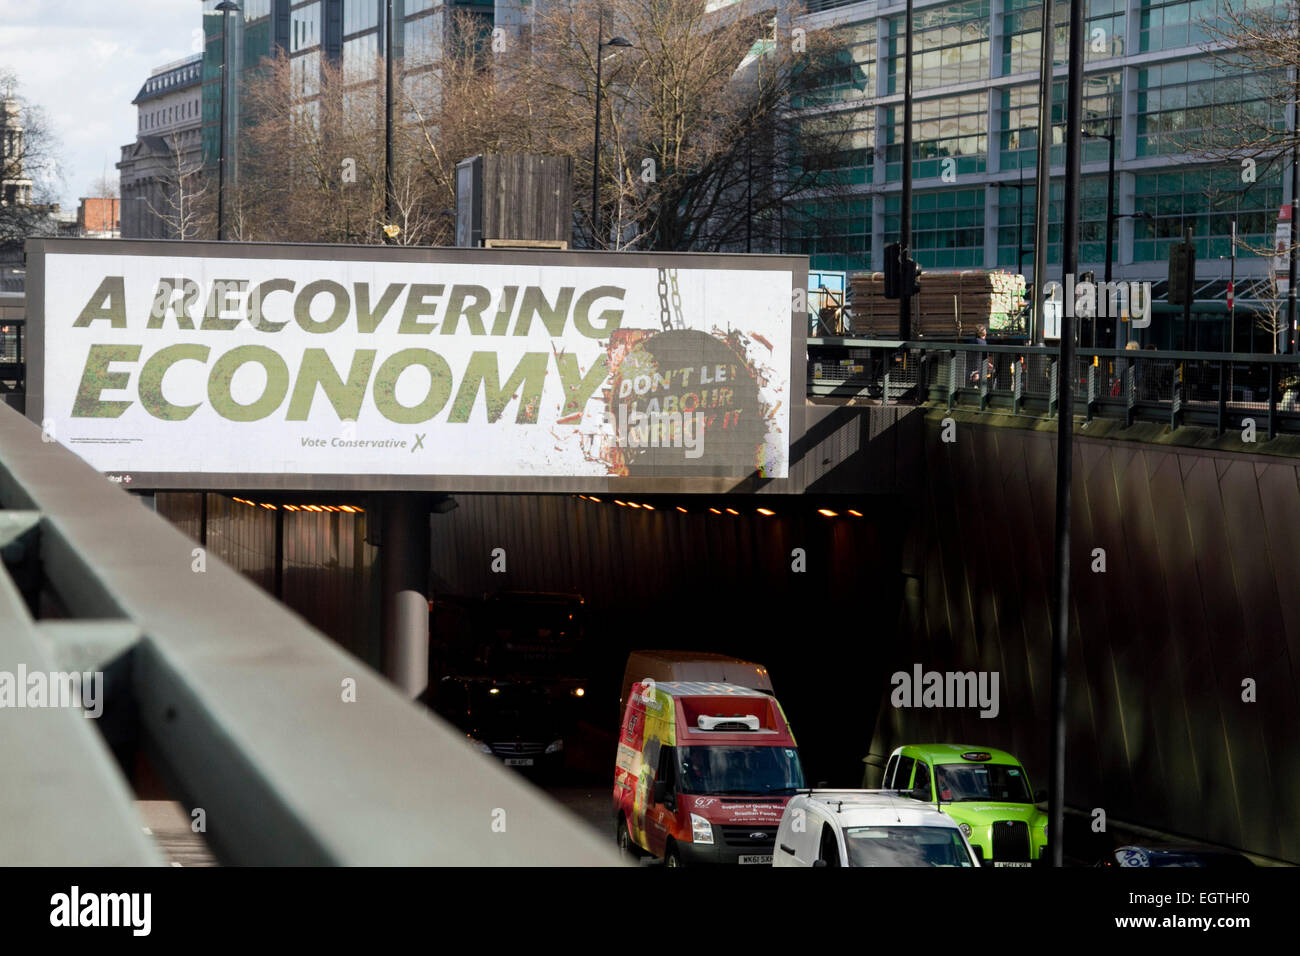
x: 83, y: 61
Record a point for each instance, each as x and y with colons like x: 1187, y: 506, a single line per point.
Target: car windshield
x: 739, y: 770
x: 906, y: 846
x: 1001, y: 783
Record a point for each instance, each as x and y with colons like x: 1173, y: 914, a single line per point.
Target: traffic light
x: 1182, y: 271
x: 893, y: 272
x: 902, y: 276
x: 911, y: 277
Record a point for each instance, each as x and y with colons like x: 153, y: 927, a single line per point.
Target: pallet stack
x: 951, y: 305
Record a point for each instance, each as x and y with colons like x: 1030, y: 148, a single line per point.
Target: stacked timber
x: 951, y: 305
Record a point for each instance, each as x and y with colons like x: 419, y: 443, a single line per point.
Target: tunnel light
x: 633, y: 504
x: 715, y: 511
x: 856, y: 514
x: 827, y: 512
x: 621, y: 504
x: 733, y: 511
x: 494, y: 690
x: 765, y: 512
x: 648, y: 507
x: 681, y: 509
x: 593, y: 498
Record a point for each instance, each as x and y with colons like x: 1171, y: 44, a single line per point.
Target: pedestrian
x: 984, y: 362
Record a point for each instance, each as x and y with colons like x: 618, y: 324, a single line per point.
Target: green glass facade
x: 1149, y: 84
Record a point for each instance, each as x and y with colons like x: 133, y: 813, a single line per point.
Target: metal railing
x: 1209, y: 389
x: 296, y: 752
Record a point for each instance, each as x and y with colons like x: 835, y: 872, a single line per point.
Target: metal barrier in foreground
x: 1214, y: 390
x: 295, y: 752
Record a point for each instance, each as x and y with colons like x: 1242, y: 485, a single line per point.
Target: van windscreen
x: 747, y: 771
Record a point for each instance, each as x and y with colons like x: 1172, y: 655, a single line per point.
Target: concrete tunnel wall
x: 1200, y: 593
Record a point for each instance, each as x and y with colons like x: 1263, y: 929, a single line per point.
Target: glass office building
x: 1148, y: 80
x: 314, y: 33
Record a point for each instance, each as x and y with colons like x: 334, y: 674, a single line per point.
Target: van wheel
x: 626, y: 848
x: 672, y: 857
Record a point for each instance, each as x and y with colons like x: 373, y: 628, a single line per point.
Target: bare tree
x: 104, y: 187
x: 1255, y: 50
x: 701, y: 149
x: 184, y: 196
x: 29, y: 154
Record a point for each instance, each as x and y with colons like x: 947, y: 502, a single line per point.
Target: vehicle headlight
x: 478, y: 745
x: 701, y: 829
x: 965, y: 830
x: 555, y: 746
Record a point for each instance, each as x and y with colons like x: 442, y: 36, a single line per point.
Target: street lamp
x: 601, y: 43
x: 389, y: 204
x: 225, y: 8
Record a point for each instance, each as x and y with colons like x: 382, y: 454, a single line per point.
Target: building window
x: 950, y: 44
x: 422, y: 41
x: 947, y: 227
x: 1092, y: 222
x: 1187, y: 105
x: 361, y: 58
x: 948, y: 134
x: 855, y: 133
x: 851, y: 74
x: 1018, y: 120
x: 304, y: 29
x: 1167, y: 26
x: 1205, y: 200
x: 304, y: 75
x: 835, y: 235
x: 360, y: 15
x: 1022, y: 29
x: 423, y: 94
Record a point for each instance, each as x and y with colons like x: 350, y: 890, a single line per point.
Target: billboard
x: 189, y: 364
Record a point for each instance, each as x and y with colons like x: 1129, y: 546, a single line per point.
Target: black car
x: 522, y: 722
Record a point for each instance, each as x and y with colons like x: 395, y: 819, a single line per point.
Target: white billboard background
x: 755, y: 303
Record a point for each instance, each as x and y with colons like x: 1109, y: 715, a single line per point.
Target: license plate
x: 1010, y: 863
x: 757, y: 859
x: 519, y: 761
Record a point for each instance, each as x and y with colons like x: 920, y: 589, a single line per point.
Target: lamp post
x: 1111, y: 218
x: 905, y: 212
x: 389, y: 214
x: 1110, y: 210
x: 601, y: 43
x: 225, y: 7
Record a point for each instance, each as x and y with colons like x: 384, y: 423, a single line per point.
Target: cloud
x: 83, y: 61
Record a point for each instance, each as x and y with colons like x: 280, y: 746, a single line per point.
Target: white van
x: 867, y: 828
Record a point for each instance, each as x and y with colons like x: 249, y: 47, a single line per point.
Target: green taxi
x: 985, y: 790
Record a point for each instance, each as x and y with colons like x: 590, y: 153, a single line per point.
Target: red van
x: 703, y: 773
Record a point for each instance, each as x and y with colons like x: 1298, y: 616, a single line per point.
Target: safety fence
x: 1208, y: 389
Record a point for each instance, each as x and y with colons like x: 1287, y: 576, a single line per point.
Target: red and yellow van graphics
x: 703, y: 772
